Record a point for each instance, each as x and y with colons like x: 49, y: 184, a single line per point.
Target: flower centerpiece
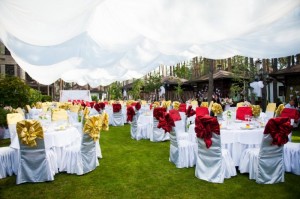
x: 255, y: 110
x: 217, y: 109
x: 226, y: 101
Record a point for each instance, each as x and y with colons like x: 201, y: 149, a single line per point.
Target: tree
x: 152, y: 84
x: 115, y: 91
x: 34, y: 96
x: 14, y: 92
x: 136, y: 88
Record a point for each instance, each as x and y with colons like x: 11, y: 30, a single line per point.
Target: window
x: 10, y: 70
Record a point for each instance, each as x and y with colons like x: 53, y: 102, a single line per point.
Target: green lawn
x: 140, y: 169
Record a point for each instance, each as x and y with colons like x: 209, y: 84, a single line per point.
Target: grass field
x: 140, y: 169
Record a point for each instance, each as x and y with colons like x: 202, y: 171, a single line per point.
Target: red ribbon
x: 138, y: 106
x: 279, y: 128
x: 190, y: 112
x: 116, y: 108
x: 166, y: 123
x: 205, y: 126
x: 130, y: 113
x: 159, y: 112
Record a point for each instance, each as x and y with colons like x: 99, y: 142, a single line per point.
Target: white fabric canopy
x: 98, y: 41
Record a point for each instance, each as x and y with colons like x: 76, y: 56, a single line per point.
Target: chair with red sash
x: 266, y: 164
x: 242, y: 111
x: 213, y: 163
x: 202, y: 111
x: 158, y: 134
x: 182, y: 152
x: 117, y: 116
x: 292, y: 114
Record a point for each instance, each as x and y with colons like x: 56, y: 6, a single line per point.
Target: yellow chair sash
x: 271, y: 107
x: 27, y: 108
x: 176, y: 105
x: 279, y: 110
x: 28, y: 131
x: 105, y: 124
x: 204, y: 104
x: 13, y: 118
x: 74, y: 108
x: 239, y: 104
x: 93, y: 126
x: 19, y: 110
x: 194, y: 103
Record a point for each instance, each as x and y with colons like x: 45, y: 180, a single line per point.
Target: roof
x: 293, y: 70
x: 221, y: 74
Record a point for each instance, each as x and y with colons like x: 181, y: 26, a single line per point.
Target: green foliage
x: 115, y: 91
x: 3, y: 113
x: 136, y: 88
x: 183, y: 72
x: 14, y: 92
x: 152, y: 83
x: 46, y: 98
x: 34, y: 96
x: 95, y: 98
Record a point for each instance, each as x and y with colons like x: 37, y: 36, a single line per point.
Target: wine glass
x: 247, y: 117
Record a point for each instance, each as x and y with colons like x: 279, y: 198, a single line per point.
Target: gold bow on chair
x: 176, y: 105
x: 279, y: 110
x: 28, y: 131
x: 86, y: 112
x: 93, y: 126
x: 105, y: 119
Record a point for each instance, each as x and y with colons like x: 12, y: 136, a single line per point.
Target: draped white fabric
x: 98, y: 41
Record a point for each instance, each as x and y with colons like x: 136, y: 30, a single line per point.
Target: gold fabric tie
x: 93, y: 126
x: 105, y: 125
x: 28, y: 131
x: 216, y: 108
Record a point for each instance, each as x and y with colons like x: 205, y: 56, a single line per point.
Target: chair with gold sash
x: 36, y: 164
x: 82, y: 158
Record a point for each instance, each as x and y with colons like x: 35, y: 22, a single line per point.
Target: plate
x: 250, y: 128
x: 238, y: 121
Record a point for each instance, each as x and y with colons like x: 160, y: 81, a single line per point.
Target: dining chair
x: 81, y: 159
x: 213, y: 163
x: 266, y: 164
x: 12, y: 120
x: 182, y: 151
x: 117, y: 116
x: 36, y: 163
x: 157, y: 134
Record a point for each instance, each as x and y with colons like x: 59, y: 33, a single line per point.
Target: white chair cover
x: 182, y: 152
x: 118, y: 119
x: 144, y: 126
x: 291, y: 156
x: 134, y: 127
x: 7, y: 161
x: 36, y: 164
x: 82, y: 158
x: 158, y: 135
x: 265, y: 164
x: 213, y: 164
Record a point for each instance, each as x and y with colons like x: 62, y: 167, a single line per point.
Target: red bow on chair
x: 166, y: 123
x: 202, y: 111
x: 138, y: 106
x: 291, y: 113
x: 102, y: 105
x: 182, y: 107
x: 159, y: 112
x: 279, y: 128
x: 175, y: 115
x: 116, y: 108
x: 130, y: 113
x: 205, y: 126
x: 190, y: 112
